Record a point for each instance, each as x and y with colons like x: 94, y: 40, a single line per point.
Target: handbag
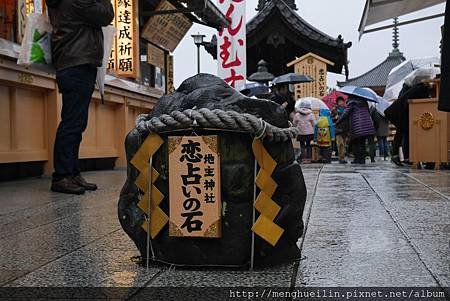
x: 36, y: 42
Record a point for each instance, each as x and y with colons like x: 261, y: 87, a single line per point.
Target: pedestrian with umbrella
x: 360, y: 122
x: 332, y: 99
x: 398, y: 115
x: 304, y: 120
x: 282, y: 93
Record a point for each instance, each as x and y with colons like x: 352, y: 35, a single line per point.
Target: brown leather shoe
x: 79, y: 180
x: 66, y: 185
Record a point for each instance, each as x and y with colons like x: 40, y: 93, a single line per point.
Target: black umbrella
x: 292, y: 78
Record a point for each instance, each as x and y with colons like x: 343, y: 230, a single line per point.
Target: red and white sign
x: 231, y: 44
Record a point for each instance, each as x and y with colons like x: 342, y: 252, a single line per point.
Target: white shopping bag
x: 36, y: 43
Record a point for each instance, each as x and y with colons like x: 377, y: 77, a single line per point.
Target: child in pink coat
x: 304, y: 120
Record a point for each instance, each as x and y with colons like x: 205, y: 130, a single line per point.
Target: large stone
x: 237, y: 176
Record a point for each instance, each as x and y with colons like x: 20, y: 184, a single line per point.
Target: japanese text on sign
x: 166, y: 30
x: 194, y: 186
x: 232, y: 48
x: 124, y: 59
x: 322, y: 83
x: 112, y: 56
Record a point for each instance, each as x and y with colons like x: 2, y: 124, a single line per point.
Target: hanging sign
x: 166, y: 30
x: 155, y: 56
x: 126, y: 48
x: 112, y: 57
x: 170, y: 78
x: 194, y: 186
x: 232, y: 48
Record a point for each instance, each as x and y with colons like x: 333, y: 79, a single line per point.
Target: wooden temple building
x: 376, y: 78
x: 278, y: 35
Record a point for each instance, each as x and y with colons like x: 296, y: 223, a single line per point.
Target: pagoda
x: 376, y: 78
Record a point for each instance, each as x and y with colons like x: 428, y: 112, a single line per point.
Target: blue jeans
x: 76, y: 84
x: 383, y: 146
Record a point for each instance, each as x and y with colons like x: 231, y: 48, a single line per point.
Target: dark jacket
x: 280, y: 99
x: 357, y: 113
x: 77, y: 37
x: 343, y: 128
x: 380, y: 122
x: 398, y: 112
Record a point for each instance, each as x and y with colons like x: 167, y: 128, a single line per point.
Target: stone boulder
x: 237, y: 177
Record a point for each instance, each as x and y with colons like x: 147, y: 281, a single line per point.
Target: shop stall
x: 140, y: 71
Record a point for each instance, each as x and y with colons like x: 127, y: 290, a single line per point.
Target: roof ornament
x: 395, y: 35
x: 395, y: 39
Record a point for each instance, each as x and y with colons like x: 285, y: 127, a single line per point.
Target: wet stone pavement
x: 372, y: 225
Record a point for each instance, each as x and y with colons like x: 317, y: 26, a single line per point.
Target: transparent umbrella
x: 316, y: 103
x: 108, y: 38
x: 399, y: 74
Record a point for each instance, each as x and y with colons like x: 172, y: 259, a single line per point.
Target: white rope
x: 217, y: 119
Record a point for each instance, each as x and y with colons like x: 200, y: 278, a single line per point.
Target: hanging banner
x: 194, y: 186
x: 232, y: 44
x: 112, y: 58
x: 126, y: 47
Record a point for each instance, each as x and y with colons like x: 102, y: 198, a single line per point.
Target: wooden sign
x: 166, y: 30
x: 169, y: 74
x: 316, y: 67
x: 194, y: 186
x: 127, y: 40
x: 112, y: 62
x: 155, y: 56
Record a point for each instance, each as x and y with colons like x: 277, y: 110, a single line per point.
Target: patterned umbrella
x: 330, y: 99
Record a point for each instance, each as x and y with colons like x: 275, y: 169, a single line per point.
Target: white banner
x: 232, y: 44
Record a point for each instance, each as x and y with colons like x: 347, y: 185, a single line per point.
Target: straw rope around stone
x: 217, y: 119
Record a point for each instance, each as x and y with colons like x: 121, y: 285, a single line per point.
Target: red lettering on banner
x: 231, y: 80
x: 225, y: 55
x: 233, y: 31
x: 231, y: 50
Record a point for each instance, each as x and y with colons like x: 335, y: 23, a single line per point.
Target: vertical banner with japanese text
x: 232, y: 44
x: 112, y: 58
x: 126, y: 50
x: 194, y: 186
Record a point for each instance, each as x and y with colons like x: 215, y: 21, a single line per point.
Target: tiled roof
x: 293, y: 19
x: 376, y: 77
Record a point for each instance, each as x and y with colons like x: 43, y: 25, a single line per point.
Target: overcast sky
x: 333, y: 17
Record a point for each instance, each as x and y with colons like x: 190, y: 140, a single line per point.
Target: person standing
x: 324, y: 135
x: 361, y: 126
x: 77, y: 50
x: 282, y: 95
x: 382, y: 131
x: 341, y: 130
x: 304, y: 121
